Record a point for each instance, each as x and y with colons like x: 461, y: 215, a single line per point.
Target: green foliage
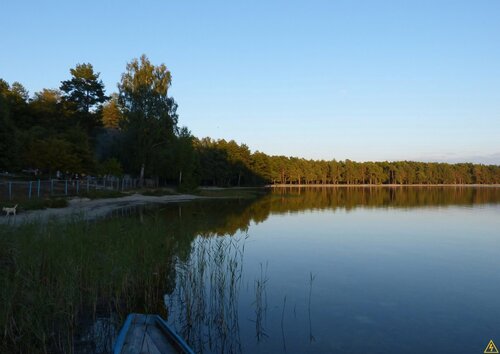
x: 8, y: 142
x: 150, y: 116
x: 84, y: 89
x: 111, y: 167
x: 52, y: 154
x: 112, y: 115
x: 83, y: 96
x: 227, y: 164
x: 144, y: 87
x: 224, y: 164
x: 185, y: 161
x: 47, y: 110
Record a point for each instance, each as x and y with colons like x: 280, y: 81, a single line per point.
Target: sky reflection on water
x: 386, y: 280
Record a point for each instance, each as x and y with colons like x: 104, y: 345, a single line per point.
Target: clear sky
x: 364, y: 80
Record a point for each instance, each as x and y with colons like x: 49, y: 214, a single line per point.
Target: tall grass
x: 57, y: 277
x: 204, y: 305
x: 261, y: 303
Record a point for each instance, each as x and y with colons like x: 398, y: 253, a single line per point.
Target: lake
x: 296, y: 270
x: 345, y: 270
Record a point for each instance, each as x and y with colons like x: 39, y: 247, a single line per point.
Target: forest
x: 79, y: 129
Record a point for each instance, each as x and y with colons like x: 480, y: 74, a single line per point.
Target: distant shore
x: 381, y: 185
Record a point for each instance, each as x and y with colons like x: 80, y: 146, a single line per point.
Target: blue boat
x: 149, y: 334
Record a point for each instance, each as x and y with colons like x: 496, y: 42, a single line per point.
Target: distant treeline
x: 78, y: 129
x: 227, y: 164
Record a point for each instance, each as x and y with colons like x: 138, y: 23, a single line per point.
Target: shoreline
x: 89, y: 209
x: 94, y: 208
x: 380, y: 185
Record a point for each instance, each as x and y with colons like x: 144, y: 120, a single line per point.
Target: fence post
x: 88, y: 185
x: 77, y: 186
x: 51, y: 186
x: 66, y: 187
x: 10, y: 190
x: 38, y: 189
x: 29, y: 192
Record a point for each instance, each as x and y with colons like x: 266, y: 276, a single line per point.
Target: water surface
x: 343, y: 270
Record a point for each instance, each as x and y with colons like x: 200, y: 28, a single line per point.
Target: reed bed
x: 64, y: 284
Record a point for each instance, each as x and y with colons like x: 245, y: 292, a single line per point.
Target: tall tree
x: 150, y: 122
x: 84, y: 93
x: 84, y: 89
x: 8, y: 132
x: 48, y: 111
x: 185, y: 160
x: 111, y: 113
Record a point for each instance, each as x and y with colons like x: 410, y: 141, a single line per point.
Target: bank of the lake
x: 87, y: 208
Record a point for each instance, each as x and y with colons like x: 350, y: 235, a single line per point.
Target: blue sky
x: 364, y: 80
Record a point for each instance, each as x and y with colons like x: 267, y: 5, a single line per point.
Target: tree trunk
x: 141, y: 176
x: 180, y: 178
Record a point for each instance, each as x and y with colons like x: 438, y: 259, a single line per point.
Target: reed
x: 204, y: 306
x: 261, y: 303
x: 57, y: 280
x: 311, y: 280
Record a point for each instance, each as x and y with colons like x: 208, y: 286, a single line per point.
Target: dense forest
x: 77, y: 128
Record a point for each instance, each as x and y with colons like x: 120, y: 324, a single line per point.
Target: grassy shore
x: 61, y: 202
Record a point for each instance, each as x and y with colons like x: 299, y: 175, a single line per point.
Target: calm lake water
x: 339, y: 270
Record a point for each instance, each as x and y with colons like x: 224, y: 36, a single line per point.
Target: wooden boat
x: 149, y: 334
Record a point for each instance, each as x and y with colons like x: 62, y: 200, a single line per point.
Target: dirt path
x: 92, y: 208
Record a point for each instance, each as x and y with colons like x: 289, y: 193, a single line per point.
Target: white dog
x: 9, y: 211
